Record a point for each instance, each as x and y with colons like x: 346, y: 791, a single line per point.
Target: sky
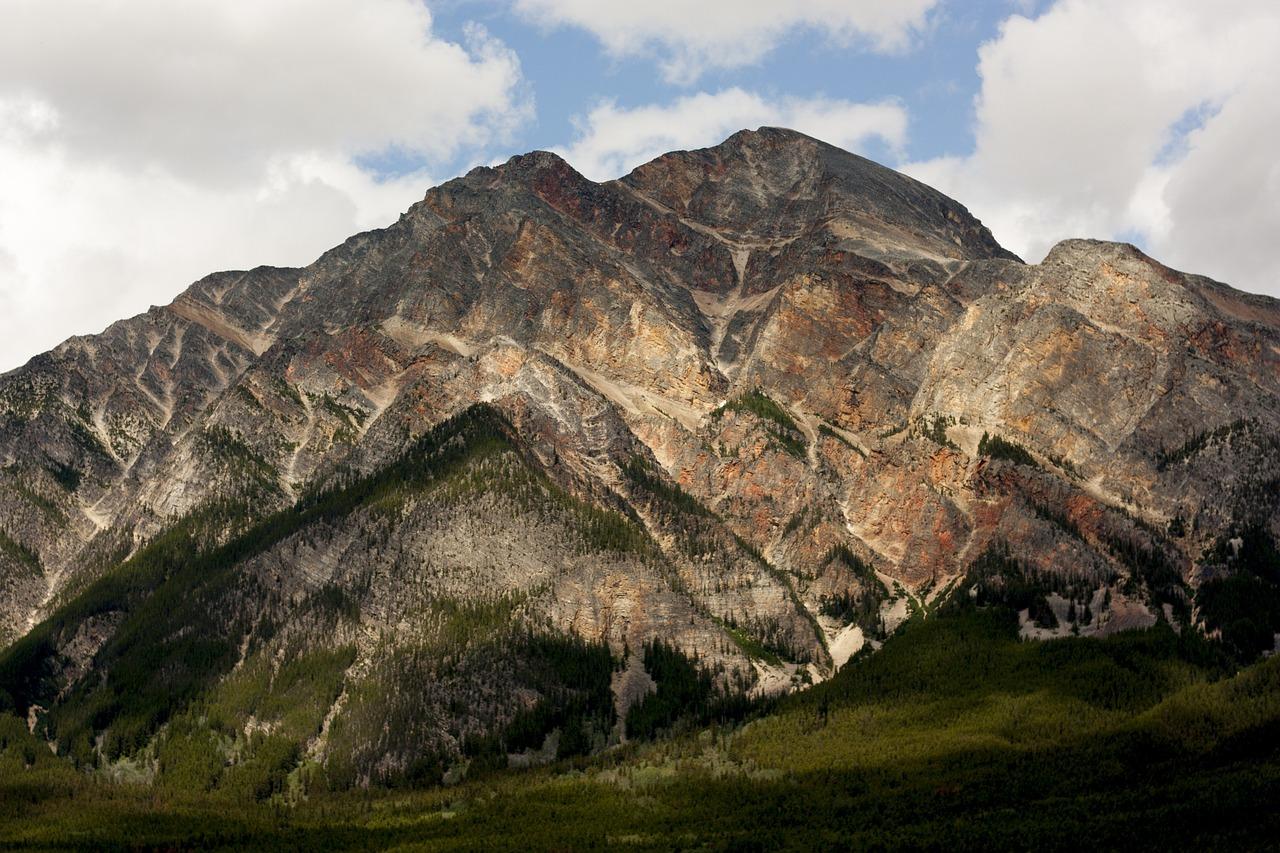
x: 146, y: 143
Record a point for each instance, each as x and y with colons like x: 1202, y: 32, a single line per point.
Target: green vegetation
x: 863, y: 607
x: 248, y: 397
x: 860, y: 607
x: 64, y: 475
x: 768, y: 632
x: 762, y: 406
x: 289, y: 392
x: 85, y: 438
x: 762, y: 639
x: 18, y: 553
x: 683, y: 687
x: 224, y: 447
x: 196, y: 728
x: 935, y: 430
x: 750, y: 646
x: 49, y: 508
x: 28, y: 393
x: 782, y: 428
x: 1001, y: 448
x: 172, y: 640
x: 575, y: 677
x: 388, y: 733
x: 686, y: 695
x: 1245, y: 609
x: 1064, y: 464
x: 893, y: 430
x: 1243, y: 606
x: 698, y: 537
x: 996, y: 578
x: 1152, y: 572
x: 824, y: 429
x: 1198, y: 442
x: 799, y: 520
x: 641, y: 473
x: 181, y: 627
x: 292, y: 689
x: 1058, y: 519
x: 849, y: 608
x: 955, y: 735
x: 350, y: 419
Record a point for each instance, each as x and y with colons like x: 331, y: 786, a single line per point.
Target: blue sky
x: 145, y: 144
x: 568, y: 71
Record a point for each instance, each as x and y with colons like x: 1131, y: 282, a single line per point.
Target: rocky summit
x: 487, y: 485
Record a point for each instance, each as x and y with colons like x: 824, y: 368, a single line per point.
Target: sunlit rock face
x: 808, y: 383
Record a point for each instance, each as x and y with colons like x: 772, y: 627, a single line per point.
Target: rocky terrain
x: 437, y: 494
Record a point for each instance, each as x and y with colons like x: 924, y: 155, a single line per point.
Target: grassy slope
x: 955, y: 734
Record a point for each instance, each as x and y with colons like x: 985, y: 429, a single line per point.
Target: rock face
x: 753, y: 400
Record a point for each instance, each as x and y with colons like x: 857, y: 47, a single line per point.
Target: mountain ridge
x: 815, y: 394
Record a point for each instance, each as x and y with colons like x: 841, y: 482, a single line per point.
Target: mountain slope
x: 760, y: 401
x: 956, y: 734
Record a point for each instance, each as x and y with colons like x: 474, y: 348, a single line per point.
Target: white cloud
x: 144, y: 144
x: 689, y: 38
x: 612, y: 140
x: 1222, y: 200
x: 1082, y: 130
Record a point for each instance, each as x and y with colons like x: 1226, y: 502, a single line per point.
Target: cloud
x: 144, y: 144
x: 1151, y: 120
x: 1221, y: 212
x: 690, y: 38
x: 612, y: 140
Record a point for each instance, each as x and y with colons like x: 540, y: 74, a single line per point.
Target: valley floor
x: 955, y: 735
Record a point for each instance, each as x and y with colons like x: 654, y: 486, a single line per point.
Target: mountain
x: 550, y: 462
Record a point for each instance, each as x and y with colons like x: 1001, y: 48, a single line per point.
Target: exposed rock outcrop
x: 803, y: 380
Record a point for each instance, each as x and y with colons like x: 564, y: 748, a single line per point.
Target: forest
x: 200, y: 728
x: 956, y: 733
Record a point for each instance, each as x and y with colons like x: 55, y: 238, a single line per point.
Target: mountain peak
x: 774, y: 183
x: 535, y: 162
x: 766, y: 347
x: 771, y: 134
x: 523, y: 169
